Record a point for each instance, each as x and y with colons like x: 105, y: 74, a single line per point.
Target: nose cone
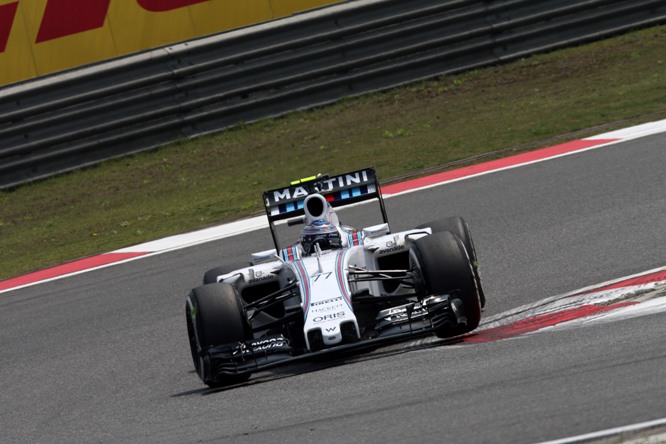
x: 332, y: 335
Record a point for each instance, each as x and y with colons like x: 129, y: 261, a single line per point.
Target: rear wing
x: 339, y: 190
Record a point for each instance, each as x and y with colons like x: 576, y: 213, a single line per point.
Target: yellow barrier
x: 39, y: 37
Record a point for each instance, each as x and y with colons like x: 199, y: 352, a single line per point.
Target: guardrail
x: 81, y: 117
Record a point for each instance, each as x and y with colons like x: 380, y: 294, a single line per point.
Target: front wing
x: 271, y: 351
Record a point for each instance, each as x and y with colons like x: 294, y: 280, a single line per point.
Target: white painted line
x: 610, y: 432
x: 634, y: 132
x: 198, y: 237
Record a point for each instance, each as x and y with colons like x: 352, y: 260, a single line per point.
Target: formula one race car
x: 336, y: 289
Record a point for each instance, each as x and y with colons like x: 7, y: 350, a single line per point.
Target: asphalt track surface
x: 103, y: 356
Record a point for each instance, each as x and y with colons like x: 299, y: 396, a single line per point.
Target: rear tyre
x: 214, y: 317
x: 458, y: 226
x: 444, y: 266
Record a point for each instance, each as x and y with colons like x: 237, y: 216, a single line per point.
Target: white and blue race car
x: 336, y: 289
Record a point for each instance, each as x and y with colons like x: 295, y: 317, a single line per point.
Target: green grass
x: 423, y: 127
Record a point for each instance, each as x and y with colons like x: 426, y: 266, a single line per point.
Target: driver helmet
x: 322, y: 233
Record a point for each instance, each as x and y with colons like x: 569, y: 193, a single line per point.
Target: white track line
x: 617, y: 431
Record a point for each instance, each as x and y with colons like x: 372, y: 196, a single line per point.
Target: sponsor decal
x: 328, y: 308
x: 259, y: 276
x: 391, y: 250
x: 268, y: 343
x: 7, y: 14
x: 260, y: 279
x: 66, y: 17
x: 329, y: 317
x: 345, y: 180
x: 289, y: 193
x: 274, y: 343
x: 39, y: 37
x: 400, y: 313
x: 326, y: 301
x: 63, y: 18
x: 323, y: 186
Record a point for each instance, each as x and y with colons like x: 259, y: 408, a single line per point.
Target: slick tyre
x: 210, y: 277
x: 444, y: 266
x: 214, y: 317
x: 458, y: 226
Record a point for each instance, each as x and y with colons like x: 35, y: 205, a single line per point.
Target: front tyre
x: 211, y: 276
x: 215, y: 316
x: 444, y: 266
x: 458, y: 226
